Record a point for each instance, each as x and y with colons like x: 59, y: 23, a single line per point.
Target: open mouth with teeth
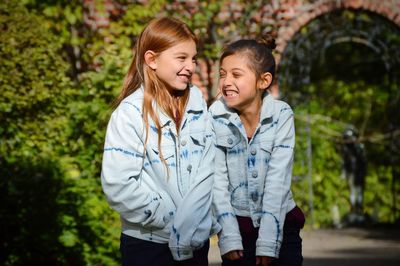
x: 230, y: 93
x: 184, y: 77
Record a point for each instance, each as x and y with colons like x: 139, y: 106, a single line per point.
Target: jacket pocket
x: 226, y: 139
x: 266, y: 144
x: 167, y: 152
x: 191, y: 155
x: 198, y: 139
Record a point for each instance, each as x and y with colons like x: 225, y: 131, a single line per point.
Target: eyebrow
x: 183, y: 53
x: 233, y: 69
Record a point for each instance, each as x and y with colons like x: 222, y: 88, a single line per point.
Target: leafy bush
x: 51, y: 143
x: 333, y: 106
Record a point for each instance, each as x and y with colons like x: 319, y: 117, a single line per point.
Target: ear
x: 264, y: 81
x: 150, y: 58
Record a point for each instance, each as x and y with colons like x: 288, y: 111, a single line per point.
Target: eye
x: 194, y: 60
x: 182, y: 58
x: 222, y: 74
x: 236, y: 75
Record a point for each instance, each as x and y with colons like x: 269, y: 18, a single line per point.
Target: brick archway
x: 299, y: 14
x: 283, y: 18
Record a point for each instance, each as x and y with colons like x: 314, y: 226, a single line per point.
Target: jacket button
x: 254, y: 174
x: 230, y: 141
x: 254, y: 196
x: 253, y: 151
x: 189, y: 168
x: 183, y: 142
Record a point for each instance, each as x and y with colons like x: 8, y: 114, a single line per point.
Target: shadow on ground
x: 366, y: 246
x: 349, y: 262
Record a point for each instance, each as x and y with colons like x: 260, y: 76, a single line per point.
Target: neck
x: 177, y: 93
x: 178, y: 103
x: 250, y: 118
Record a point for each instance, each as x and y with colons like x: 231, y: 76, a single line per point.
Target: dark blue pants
x: 137, y: 252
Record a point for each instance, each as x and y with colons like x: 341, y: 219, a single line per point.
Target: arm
x: 122, y: 167
x: 229, y: 237
x: 277, y: 186
x: 193, y: 218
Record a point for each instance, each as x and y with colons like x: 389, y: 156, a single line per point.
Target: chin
x: 181, y: 87
x: 229, y: 103
x: 176, y: 87
x: 227, y: 100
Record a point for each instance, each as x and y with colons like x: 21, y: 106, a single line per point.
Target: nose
x: 191, y: 66
x: 226, y: 81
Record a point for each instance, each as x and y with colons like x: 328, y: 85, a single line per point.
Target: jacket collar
x: 194, y: 105
x: 267, y: 109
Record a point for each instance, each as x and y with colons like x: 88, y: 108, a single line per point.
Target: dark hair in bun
x: 259, y: 53
x: 268, y: 41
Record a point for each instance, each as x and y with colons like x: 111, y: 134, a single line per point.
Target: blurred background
x: 62, y: 65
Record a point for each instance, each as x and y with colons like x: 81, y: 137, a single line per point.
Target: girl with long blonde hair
x: 157, y: 170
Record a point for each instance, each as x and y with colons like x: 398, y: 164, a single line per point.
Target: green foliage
x: 58, y: 78
x: 34, y: 91
x: 55, y: 127
x: 332, y: 106
x: 335, y: 75
x: 50, y: 149
x: 65, y: 20
x: 30, y: 214
x: 31, y: 77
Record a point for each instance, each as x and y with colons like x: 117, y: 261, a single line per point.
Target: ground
x: 343, y: 247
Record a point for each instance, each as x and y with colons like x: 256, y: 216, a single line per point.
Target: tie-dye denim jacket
x: 155, y: 203
x: 253, y: 178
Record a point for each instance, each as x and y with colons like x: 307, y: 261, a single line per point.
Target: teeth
x: 231, y: 93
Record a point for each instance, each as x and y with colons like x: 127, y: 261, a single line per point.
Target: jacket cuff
x: 181, y: 253
x: 267, y: 248
x: 215, y: 228
x: 158, y: 219
x: 227, y: 244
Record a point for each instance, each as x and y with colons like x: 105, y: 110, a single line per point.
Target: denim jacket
x: 155, y: 203
x: 253, y: 178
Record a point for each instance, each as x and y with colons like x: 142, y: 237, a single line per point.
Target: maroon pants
x: 290, y: 253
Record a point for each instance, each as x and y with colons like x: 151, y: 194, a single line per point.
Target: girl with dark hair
x: 255, y: 139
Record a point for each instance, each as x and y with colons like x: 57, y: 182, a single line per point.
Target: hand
x: 233, y: 255
x: 263, y: 260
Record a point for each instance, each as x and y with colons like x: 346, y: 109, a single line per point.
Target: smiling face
x: 175, y: 65
x: 238, y: 83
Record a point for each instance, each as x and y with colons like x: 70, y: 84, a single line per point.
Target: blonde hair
x: 159, y: 35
